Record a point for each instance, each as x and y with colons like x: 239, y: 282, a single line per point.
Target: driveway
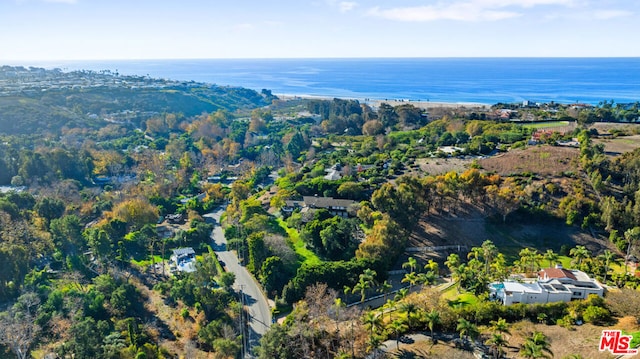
x: 255, y: 301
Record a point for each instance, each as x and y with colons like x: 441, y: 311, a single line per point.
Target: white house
x: 183, y: 260
x: 553, y: 285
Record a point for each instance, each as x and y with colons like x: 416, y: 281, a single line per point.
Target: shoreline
x: 393, y: 102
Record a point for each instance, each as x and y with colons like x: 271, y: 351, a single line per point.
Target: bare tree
x: 18, y: 331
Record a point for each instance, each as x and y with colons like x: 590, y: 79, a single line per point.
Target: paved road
x: 255, y: 301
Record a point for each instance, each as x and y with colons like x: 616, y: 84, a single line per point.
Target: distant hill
x: 37, y: 100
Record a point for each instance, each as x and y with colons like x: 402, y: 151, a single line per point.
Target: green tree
x: 398, y: 327
x: 467, y: 329
x: 536, y: 346
x: 411, y: 278
x: 606, y: 257
x: 631, y: 235
x: 579, y: 254
x: 411, y: 310
x: 372, y: 321
x: 365, y: 281
x: 385, y: 289
x: 432, y: 318
x: 497, y: 343
x: 411, y: 263
x: 67, y: 233
x: 489, y: 251
x: 551, y: 256
x: 49, y: 208
x: 500, y: 326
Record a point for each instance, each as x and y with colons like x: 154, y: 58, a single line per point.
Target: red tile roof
x: 557, y: 273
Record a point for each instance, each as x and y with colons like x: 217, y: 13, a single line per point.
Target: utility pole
x: 242, y: 336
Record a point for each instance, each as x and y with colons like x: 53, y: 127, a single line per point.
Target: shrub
x: 184, y: 313
x: 596, y: 315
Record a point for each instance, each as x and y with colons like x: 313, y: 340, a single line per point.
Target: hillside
x: 38, y: 100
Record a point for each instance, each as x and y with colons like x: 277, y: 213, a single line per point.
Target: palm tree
x: 489, y: 251
x: 500, y: 326
x: 411, y: 263
x: 411, y: 309
x: 466, y: 329
x: 606, y: 257
x: 529, y: 256
x: 551, y: 256
x: 452, y: 262
x: 385, y: 288
x: 432, y: 266
x: 401, y: 294
x: 411, y: 278
x: 397, y: 326
x: 536, y: 346
x: 365, y: 282
x: 372, y: 321
x: 432, y: 318
x: 540, y: 339
x: 531, y: 351
x: 497, y: 342
x: 631, y: 235
x: 475, y: 253
x: 579, y: 253
x: 427, y: 278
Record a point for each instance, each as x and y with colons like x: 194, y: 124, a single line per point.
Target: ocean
x: 458, y: 80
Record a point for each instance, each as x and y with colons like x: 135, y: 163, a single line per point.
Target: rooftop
x: 558, y: 273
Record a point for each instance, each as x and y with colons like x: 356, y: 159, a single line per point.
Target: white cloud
x: 342, y: 6
x: 433, y: 13
x: 610, y: 14
x: 346, y: 6
x: 466, y: 10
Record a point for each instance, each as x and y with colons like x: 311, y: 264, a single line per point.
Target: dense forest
x: 95, y: 166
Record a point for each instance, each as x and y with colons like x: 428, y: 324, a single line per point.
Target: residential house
x: 337, y: 207
x: 183, y: 260
x: 553, y: 285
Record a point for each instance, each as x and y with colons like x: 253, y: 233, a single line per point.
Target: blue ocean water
x: 477, y: 80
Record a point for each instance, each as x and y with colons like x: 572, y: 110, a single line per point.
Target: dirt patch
x: 540, y: 160
x: 437, y: 166
x: 610, y: 127
x: 583, y: 339
x: 617, y: 146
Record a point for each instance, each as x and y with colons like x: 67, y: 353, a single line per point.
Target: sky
x: 44, y: 30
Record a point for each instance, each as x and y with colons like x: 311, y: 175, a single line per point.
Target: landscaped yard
x: 305, y: 254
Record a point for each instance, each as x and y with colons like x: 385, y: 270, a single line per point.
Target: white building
x: 553, y: 285
x: 183, y: 260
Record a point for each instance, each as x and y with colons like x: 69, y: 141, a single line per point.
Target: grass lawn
x: 147, y: 261
x: 551, y: 124
x: 454, y: 298
x: 305, y: 254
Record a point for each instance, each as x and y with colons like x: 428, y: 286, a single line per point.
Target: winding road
x: 255, y: 301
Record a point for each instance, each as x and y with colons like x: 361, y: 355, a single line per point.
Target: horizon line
x: 311, y: 58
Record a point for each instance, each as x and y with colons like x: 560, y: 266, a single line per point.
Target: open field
x: 540, y: 160
x: 610, y: 127
x: 619, y: 145
x: 436, y: 166
x: 544, y: 125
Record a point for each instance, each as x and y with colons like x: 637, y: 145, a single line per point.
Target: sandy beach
x: 393, y: 102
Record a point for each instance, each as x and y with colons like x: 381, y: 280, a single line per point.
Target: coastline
x: 393, y: 102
